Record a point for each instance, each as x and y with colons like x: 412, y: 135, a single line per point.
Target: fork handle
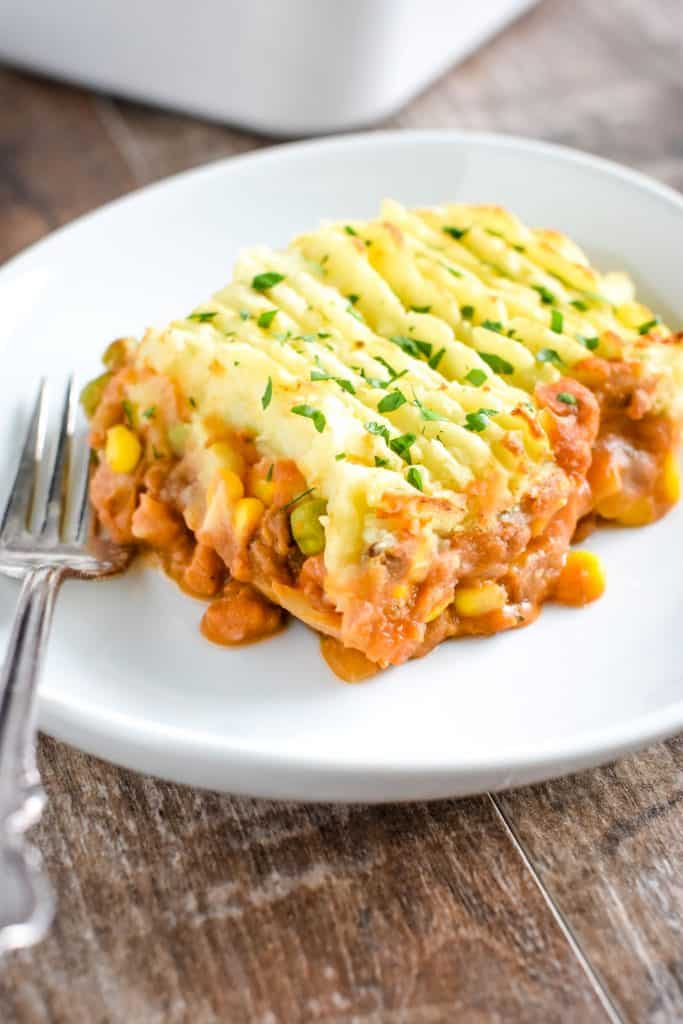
x: 27, y: 901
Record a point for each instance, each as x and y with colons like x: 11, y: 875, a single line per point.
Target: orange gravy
x: 348, y: 664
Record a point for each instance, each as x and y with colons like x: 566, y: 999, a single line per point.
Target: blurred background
x: 607, y: 78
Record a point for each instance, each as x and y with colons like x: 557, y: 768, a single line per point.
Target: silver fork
x: 43, y: 556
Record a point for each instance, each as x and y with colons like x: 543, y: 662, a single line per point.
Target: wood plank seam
x: 592, y: 975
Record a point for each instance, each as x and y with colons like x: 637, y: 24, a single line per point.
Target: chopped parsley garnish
x: 150, y: 413
x: 564, y: 396
x: 479, y: 420
x: 496, y: 234
x: 413, y: 477
x: 340, y: 456
x: 549, y: 355
x: 374, y: 382
x: 429, y: 414
x: 496, y: 362
x: 493, y: 325
x: 192, y: 401
x: 262, y: 282
x: 283, y: 336
x: 590, y: 343
x: 128, y: 411
x: 402, y: 445
x: 476, y: 377
x: 349, y: 230
x: 379, y: 430
x: 545, y: 293
x: 324, y: 334
x: 381, y: 462
x: 311, y: 413
x: 420, y: 309
x: 452, y: 270
x: 356, y: 313
x: 392, y: 372
x: 320, y: 373
x: 413, y: 346
x: 394, y: 400
x: 269, y: 474
x: 454, y: 232
x: 266, y: 319
x: 647, y: 327
x: 298, y: 497
x: 556, y: 321
x: 579, y: 304
x: 519, y: 248
x: 353, y: 298
x: 305, y: 337
x: 267, y: 394
x: 245, y: 314
x: 467, y: 312
x: 436, y: 358
x: 202, y: 318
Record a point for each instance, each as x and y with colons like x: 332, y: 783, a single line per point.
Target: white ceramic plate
x: 128, y: 676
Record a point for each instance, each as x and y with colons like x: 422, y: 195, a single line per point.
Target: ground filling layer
x: 619, y: 457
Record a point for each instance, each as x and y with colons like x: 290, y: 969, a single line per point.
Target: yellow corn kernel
x: 581, y: 580
x: 123, y: 449
x: 263, y: 489
x: 400, y: 591
x: 232, y: 485
x: 228, y: 457
x: 260, y: 487
x: 670, y: 480
x: 479, y: 599
x: 638, y: 513
x: 246, y: 516
x: 234, y: 488
x: 633, y: 314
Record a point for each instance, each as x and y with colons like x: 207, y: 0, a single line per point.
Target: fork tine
x: 23, y: 489
x: 56, y: 495
x: 81, y: 500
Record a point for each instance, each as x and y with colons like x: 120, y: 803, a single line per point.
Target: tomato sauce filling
x: 633, y: 472
x: 607, y: 443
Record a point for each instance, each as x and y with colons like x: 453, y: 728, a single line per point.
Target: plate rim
x: 141, y: 741
x: 342, y: 141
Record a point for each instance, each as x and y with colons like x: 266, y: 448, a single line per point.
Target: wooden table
x: 560, y: 902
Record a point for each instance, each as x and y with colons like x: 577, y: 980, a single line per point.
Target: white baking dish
x: 283, y: 67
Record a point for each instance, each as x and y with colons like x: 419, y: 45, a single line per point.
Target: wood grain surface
x: 177, y: 905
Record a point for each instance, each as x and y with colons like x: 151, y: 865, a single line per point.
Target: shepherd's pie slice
x: 390, y: 429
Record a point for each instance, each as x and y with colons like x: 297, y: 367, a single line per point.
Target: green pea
x: 115, y: 354
x: 307, y: 530
x: 177, y: 436
x: 91, y: 395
